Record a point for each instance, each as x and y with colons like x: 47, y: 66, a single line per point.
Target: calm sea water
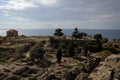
x: 110, y: 34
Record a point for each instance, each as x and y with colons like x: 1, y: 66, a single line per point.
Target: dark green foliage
x: 93, y: 48
x: 55, y: 45
x: 82, y: 34
x: 105, y: 40
x: 98, y: 36
x: 99, y: 43
x: 71, y: 50
x: 113, y: 50
x: 37, y: 53
x: 85, y: 48
x: 59, y: 54
x: 118, y: 39
x: 77, y: 34
x: 116, y: 46
x: 51, y: 41
x: 114, y: 40
x: 58, y: 32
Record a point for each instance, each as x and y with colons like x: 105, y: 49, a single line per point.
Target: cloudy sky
x: 50, y: 14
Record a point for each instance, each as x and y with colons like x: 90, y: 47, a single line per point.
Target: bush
x: 51, y: 41
x: 37, y: 53
x: 93, y: 48
x: 113, y: 50
x: 59, y: 54
x: 105, y: 40
x: 58, y: 32
x: 85, y: 50
x: 71, y: 50
x: 98, y: 36
x: 103, y: 54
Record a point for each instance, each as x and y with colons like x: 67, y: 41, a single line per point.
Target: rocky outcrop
x: 2, y: 75
x: 21, y: 70
x: 109, y: 69
x: 13, y: 77
x: 82, y: 76
x: 72, y: 74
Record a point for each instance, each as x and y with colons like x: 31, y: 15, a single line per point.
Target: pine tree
x: 71, y: 50
x: 85, y: 49
x: 59, y: 54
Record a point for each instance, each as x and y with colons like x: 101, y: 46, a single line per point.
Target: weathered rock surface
x: 21, y: 70
x: 72, y: 74
x: 108, y: 69
x: 13, y: 77
x: 82, y: 76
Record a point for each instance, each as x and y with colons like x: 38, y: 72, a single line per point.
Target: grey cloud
x: 86, y: 11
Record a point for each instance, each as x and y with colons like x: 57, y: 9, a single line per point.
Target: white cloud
x: 48, y: 2
x: 11, y: 7
x: 23, y: 4
x: 8, y: 13
x: 19, y: 18
x: 17, y: 5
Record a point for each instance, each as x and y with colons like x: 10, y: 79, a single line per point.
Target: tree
x: 98, y: 38
x: 59, y: 54
x: 51, y: 41
x: 37, y: 53
x: 118, y: 39
x: 71, y: 50
x: 85, y: 49
x: 58, y: 32
x: 75, y: 33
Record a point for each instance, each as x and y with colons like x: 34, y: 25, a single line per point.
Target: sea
x: 108, y: 33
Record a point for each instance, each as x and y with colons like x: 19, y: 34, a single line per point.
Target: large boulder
x: 109, y: 69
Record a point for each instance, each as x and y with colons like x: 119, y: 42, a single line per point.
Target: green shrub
x: 59, y: 54
x: 51, y: 41
x: 113, y: 50
x: 98, y: 36
x: 37, y: 53
x: 71, y: 50
x: 105, y: 40
x: 103, y: 54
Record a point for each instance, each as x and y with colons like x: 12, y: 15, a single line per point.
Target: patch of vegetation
x: 37, y: 53
x: 104, y: 40
x: 103, y: 54
x: 58, y: 32
x: 6, y: 55
x: 59, y: 54
x: 71, y: 50
x: 113, y: 48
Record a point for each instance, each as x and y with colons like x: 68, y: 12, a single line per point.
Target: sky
x: 65, y: 14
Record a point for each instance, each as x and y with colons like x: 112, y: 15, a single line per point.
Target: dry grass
x: 103, y: 54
